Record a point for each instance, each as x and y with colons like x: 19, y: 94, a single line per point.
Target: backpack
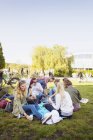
x: 3, y: 103
x: 9, y: 107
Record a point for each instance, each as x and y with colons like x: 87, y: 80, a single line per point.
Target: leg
x: 33, y: 109
x: 49, y: 107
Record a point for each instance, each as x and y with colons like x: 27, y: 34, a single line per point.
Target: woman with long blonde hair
x: 63, y: 102
x: 20, y: 100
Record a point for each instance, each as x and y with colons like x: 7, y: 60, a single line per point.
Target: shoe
x: 30, y: 117
x: 47, y: 117
x: 84, y: 100
x: 20, y: 116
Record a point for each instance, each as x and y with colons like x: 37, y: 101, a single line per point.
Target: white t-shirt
x: 37, y: 89
x: 65, y: 104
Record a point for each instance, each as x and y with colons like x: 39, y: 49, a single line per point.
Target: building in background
x: 83, y: 61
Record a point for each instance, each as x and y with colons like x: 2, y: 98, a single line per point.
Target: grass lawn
x: 80, y: 127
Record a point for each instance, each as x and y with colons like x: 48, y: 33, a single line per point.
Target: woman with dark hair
x: 74, y: 93
x: 36, y: 89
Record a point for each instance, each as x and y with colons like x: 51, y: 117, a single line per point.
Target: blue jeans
x: 52, y: 91
x: 11, y: 97
x: 32, y: 108
x: 39, y: 97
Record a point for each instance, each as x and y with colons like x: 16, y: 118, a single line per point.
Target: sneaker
x: 47, y: 117
x: 30, y: 117
x: 84, y: 100
x: 19, y: 116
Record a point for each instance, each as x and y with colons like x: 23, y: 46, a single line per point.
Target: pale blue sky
x: 25, y: 24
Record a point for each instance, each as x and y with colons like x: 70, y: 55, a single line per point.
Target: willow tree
x: 39, y: 58
x: 2, y: 59
x: 51, y: 58
x: 59, y: 60
x: 70, y: 59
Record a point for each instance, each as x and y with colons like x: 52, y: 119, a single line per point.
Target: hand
x: 50, y: 101
x: 33, y: 97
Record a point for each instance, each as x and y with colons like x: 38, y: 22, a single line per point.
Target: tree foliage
x: 2, y: 59
x: 52, y: 58
x: 39, y: 57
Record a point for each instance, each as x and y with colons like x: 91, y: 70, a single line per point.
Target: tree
x: 45, y: 58
x: 70, y: 60
x: 39, y: 57
x: 59, y: 60
x: 2, y: 59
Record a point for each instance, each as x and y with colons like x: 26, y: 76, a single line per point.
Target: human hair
x: 31, y: 82
x: 57, y: 80
x: 19, y: 92
x: 60, y: 90
x: 53, y: 78
x: 67, y: 82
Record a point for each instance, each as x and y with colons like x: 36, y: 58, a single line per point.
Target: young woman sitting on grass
x: 21, y: 108
x: 74, y: 93
x: 63, y: 102
x: 36, y: 89
x: 20, y: 100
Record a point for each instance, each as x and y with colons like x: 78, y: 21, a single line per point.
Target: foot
x: 30, y: 117
x: 47, y: 117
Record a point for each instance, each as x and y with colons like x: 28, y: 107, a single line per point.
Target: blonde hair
x: 19, y: 92
x: 60, y: 90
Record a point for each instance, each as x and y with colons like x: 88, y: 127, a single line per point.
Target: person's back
x: 74, y: 94
x: 66, y: 104
x: 42, y: 82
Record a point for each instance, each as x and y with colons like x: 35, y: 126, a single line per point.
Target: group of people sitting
x: 49, y: 101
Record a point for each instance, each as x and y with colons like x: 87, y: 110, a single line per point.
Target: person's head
x: 33, y: 81
x: 60, y: 90
x: 56, y: 81
x: 66, y: 82
x: 21, y: 87
x: 51, y: 79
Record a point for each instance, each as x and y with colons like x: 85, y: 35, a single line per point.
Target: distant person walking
x: 80, y: 75
x: 22, y: 72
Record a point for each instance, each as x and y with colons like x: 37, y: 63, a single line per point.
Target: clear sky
x: 25, y: 24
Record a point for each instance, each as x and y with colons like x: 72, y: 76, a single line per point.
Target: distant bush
x: 61, y: 73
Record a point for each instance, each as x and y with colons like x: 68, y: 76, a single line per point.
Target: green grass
x: 80, y: 127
